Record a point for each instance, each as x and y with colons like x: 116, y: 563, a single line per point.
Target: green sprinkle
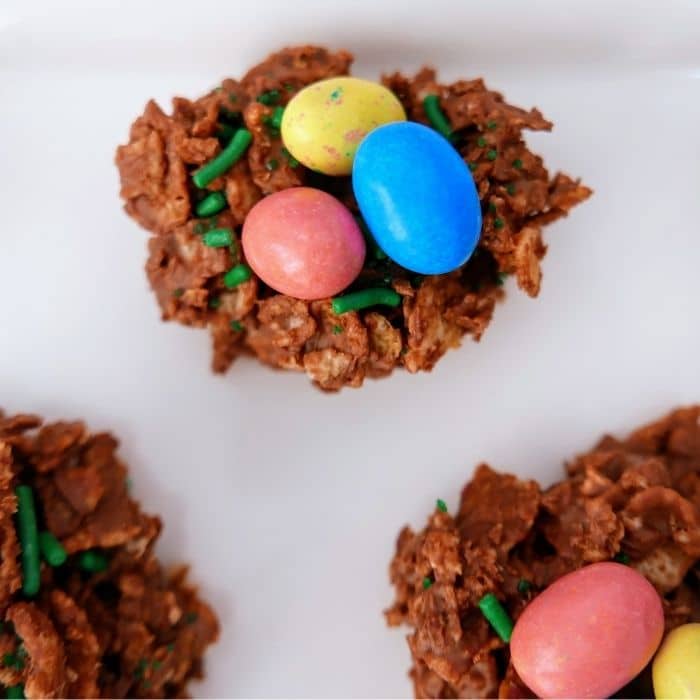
x: 271, y: 164
x: 232, y: 97
x: 492, y: 154
x: 491, y: 125
x: 191, y: 618
x: 218, y: 238
x: 52, y: 550
x: 441, y: 505
x: 289, y: 87
x: 212, y: 204
x: 517, y: 164
x: 221, y: 163
x: 170, y: 648
x: 140, y: 668
x: 236, y: 275
x: 492, y: 207
x: 218, y: 89
x: 364, y: 298
x: 92, y: 561
x: 293, y: 162
x: 214, y: 303
x: 199, y: 228
x: 156, y: 664
x: 524, y: 586
x: 510, y: 189
x: 436, y: 117
x: 29, y: 540
x: 501, y: 278
x: 276, y: 118
x: 427, y: 583
x: 481, y: 142
x: 271, y: 97
x: 497, y: 616
x: 498, y: 223
x: 336, y: 93
x: 178, y: 292
x: 15, y: 692
x: 622, y: 558
x: 337, y: 330
x: 473, y: 166
x: 15, y: 661
x: 236, y: 326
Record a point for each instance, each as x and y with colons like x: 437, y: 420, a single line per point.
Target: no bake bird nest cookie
x: 86, y: 608
x: 634, y: 501
x: 196, y: 266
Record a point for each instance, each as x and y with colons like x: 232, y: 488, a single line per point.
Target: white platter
x: 287, y: 501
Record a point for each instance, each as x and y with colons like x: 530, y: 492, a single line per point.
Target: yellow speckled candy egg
x: 676, y: 668
x: 324, y: 123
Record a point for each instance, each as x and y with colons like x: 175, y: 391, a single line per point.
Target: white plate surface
x: 287, y: 501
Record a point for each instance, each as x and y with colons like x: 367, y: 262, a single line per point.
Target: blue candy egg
x: 417, y: 197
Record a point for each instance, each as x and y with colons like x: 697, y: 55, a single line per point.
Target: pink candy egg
x: 304, y: 243
x: 588, y: 634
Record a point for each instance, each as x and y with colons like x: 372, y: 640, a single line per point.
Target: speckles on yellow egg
x: 333, y: 153
x: 325, y: 122
x: 355, y: 135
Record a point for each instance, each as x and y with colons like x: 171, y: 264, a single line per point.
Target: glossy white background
x: 287, y: 501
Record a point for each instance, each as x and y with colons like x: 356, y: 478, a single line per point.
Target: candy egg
x: 676, y: 669
x: 418, y: 197
x: 324, y: 123
x: 304, y: 243
x: 589, y: 633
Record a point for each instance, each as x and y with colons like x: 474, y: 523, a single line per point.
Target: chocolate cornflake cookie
x: 189, y: 277
x: 635, y: 501
x: 87, y: 610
